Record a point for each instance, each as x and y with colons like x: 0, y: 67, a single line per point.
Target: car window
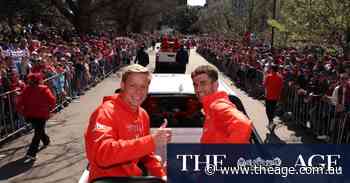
x: 184, y: 111
x: 180, y: 110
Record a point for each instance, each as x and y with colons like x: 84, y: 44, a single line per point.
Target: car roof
x: 179, y: 84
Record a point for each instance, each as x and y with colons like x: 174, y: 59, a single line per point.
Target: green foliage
x: 277, y: 25
x: 29, y: 9
x: 325, y: 22
x: 322, y: 21
x: 183, y: 20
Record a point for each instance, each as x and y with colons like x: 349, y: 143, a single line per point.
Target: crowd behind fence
x: 70, y: 62
x: 65, y: 88
x: 313, y: 112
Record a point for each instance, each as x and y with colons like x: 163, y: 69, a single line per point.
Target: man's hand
x: 162, y: 135
x: 165, y: 166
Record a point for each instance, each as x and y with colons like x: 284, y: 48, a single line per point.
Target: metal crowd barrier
x: 65, y: 87
x: 313, y: 112
x: 316, y: 113
x: 10, y: 122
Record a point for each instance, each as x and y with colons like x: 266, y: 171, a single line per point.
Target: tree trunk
x: 347, y: 43
x: 251, y: 14
x: 83, y: 23
x: 84, y: 16
x: 137, y: 25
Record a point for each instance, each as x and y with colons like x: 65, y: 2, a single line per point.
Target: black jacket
x: 142, y: 57
x: 182, y: 56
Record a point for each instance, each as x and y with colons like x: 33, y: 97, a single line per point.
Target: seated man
x: 118, y: 135
x: 224, y: 123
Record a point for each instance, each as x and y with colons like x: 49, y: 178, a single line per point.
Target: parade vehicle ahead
x: 166, y: 57
x: 172, y: 97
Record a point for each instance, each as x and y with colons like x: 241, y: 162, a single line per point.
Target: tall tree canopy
x: 316, y: 21
x: 89, y: 15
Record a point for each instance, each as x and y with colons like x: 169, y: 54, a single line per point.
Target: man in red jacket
x: 273, y: 83
x: 35, y: 104
x: 118, y: 136
x: 224, y: 123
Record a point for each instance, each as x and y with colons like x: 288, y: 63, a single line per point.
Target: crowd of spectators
x: 316, y: 76
x: 69, y: 62
x: 33, y: 48
x: 312, y: 72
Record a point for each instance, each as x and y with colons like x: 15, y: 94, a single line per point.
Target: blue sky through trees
x: 196, y: 2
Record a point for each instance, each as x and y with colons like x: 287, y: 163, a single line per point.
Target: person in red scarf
x: 34, y: 45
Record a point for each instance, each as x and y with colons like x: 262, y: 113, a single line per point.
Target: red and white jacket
x: 117, y: 138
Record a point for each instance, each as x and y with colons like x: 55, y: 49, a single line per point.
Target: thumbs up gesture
x: 162, y: 135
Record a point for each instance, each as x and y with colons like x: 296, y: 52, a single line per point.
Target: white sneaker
x: 29, y: 159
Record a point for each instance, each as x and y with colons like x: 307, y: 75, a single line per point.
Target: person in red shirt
x: 35, y: 103
x: 118, y: 135
x: 176, y: 45
x: 165, y: 44
x: 224, y: 123
x: 273, y: 83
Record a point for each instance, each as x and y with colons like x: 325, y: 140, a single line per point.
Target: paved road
x: 64, y: 159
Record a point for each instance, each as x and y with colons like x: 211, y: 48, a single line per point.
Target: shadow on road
x: 60, y: 157
x: 12, y: 150
x: 14, y: 168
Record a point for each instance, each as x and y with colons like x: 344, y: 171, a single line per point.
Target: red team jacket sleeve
x: 153, y: 164
x: 232, y: 121
x: 51, y: 98
x: 19, y: 102
x: 105, y: 149
x: 151, y: 161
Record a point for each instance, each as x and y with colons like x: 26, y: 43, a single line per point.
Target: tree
x: 81, y: 12
x: 183, y: 19
x: 122, y: 15
x: 28, y: 9
x: 323, y: 22
x: 91, y: 15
